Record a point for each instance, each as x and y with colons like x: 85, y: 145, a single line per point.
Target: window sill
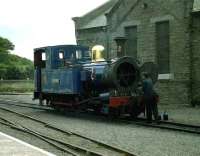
x: 168, y: 76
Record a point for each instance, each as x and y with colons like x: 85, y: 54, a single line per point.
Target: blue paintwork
x: 37, y: 79
x: 53, y: 61
x: 60, y: 78
x: 57, y: 78
x: 65, y: 81
x: 98, y: 69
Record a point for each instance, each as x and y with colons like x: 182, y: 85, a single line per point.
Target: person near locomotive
x: 150, y: 98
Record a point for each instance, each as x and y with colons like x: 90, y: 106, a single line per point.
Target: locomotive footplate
x: 126, y: 105
x: 115, y: 102
x: 119, y: 106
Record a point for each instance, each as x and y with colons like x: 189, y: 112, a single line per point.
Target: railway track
x: 23, y: 104
x: 69, y: 142
x: 167, y: 125
x: 195, y: 129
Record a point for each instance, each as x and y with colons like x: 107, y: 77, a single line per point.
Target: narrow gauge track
x: 72, y: 143
x: 195, y: 129
x: 23, y: 104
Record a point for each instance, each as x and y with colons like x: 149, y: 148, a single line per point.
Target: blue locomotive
x: 71, y: 77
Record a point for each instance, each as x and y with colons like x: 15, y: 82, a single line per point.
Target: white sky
x: 35, y: 23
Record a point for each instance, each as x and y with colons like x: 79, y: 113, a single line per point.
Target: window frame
x: 162, y: 69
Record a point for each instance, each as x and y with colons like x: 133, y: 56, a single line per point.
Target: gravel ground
x: 24, y: 98
x: 139, y: 140
x: 182, y: 113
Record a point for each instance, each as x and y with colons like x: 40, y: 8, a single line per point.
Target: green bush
x: 16, y: 86
x: 13, y: 67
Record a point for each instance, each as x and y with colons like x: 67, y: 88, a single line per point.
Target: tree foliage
x: 5, y: 45
x: 13, y: 66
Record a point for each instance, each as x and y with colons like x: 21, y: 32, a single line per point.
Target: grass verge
x: 18, y: 86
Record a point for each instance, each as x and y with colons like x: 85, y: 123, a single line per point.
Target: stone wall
x: 176, y: 87
x: 196, y: 57
x: 92, y: 36
x: 173, y: 92
x: 144, y: 14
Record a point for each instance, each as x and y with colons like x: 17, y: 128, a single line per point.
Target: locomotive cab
x: 57, y: 70
x: 39, y: 63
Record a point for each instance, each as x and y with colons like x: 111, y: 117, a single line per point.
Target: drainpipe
x: 191, y: 55
x: 107, y: 37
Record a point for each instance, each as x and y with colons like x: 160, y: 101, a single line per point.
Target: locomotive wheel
x: 135, y: 107
x: 56, y: 108
x: 97, y: 109
x: 40, y: 100
x: 114, y: 112
x: 135, y: 112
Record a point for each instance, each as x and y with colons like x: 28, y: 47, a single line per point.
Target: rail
x: 66, y: 145
x: 175, y: 126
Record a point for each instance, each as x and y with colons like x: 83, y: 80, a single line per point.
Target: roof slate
x: 100, y: 19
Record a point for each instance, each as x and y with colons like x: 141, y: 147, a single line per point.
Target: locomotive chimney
x: 120, y: 41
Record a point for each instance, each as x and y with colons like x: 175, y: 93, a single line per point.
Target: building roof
x: 196, y: 6
x: 96, y: 17
x: 98, y: 21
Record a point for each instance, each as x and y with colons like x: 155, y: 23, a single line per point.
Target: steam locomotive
x: 71, y: 77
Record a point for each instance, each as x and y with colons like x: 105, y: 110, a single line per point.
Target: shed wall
x: 175, y: 86
x: 196, y: 57
x: 144, y: 14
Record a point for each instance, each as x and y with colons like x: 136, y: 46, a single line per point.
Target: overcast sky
x: 35, y: 23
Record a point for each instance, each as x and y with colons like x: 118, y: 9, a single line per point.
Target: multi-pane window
x: 162, y: 46
x: 131, y: 43
x: 120, y: 52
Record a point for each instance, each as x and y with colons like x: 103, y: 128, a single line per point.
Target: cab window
x: 40, y: 58
x: 61, y: 54
x: 43, y: 56
x: 79, y: 54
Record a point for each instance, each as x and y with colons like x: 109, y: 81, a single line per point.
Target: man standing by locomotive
x: 149, y: 98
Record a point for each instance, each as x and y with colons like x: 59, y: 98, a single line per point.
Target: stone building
x: 166, y: 32
x: 92, y: 27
